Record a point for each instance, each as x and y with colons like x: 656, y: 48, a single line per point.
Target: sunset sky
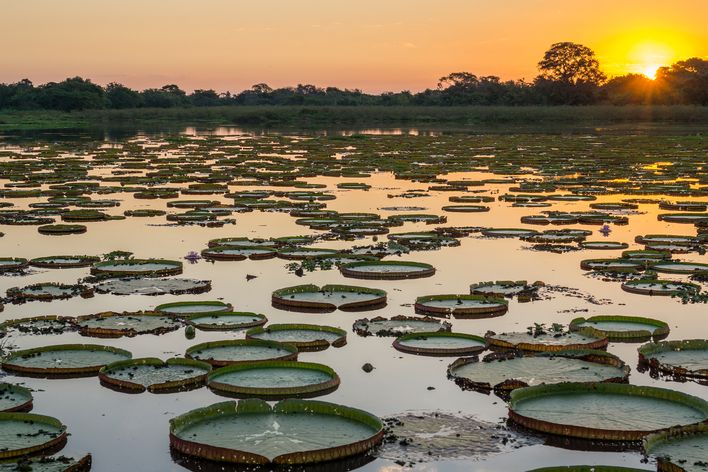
x: 373, y: 45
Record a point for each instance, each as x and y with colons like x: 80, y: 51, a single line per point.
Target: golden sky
x: 375, y: 45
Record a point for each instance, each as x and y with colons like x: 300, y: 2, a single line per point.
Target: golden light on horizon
x: 648, y: 56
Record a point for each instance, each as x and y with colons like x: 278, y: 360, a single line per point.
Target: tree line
x: 569, y: 74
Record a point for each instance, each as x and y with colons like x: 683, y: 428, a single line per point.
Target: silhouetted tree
x: 630, y: 89
x: 71, y: 94
x: 119, y: 96
x: 204, y: 98
x: 570, y: 74
x: 687, y: 79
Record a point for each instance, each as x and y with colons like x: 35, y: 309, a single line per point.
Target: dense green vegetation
x: 569, y: 74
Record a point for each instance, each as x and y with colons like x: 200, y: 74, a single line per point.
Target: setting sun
x: 650, y: 70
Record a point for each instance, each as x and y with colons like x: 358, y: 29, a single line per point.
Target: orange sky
x: 373, y: 45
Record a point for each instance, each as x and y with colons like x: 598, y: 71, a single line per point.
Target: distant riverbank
x: 355, y: 116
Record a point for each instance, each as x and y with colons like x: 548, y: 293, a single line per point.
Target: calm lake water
x: 130, y: 432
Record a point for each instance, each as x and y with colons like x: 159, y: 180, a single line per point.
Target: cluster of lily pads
x: 558, y: 379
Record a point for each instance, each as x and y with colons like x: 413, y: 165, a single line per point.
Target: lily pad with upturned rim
x: 221, y: 353
x: 387, y: 270
x: 115, y: 325
x: 193, y: 307
x: 440, y: 344
x: 328, y: 298
x: 24, y: 434
x: 305, y: 337
x: 14, y: 398
x: 63, y: 360
x: 309, y: 432
x: 603, y: 411
x: 680, y: 359
x: 137, y: 267
x: 399, y: 325
x: 680, y: 449
x: 273, y: 380
x: 155, y: 375
x: 619, y: 328
x: 226, y: 321
x: 548, y: 342
x: 461, y: 306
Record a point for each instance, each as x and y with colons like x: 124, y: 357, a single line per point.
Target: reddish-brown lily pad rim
x: 16, y: 263
x: 679, y: 372
x: 521, y: 394
x: 631, y: 286
x: 291, y: 350
x: 496, y: 343
x: 661, y: 328
x: 289, y: 406
x: 506, y: 386
x: 56, y: 442
x: 59, y: 371
x: 45, y: 262
x: 199, y: 380
x: 218, y: 253
x: 495, y: 306
x: 665, y: 464
x: 174, y: 268
x: 102, y: 332
x: 17, y: 389
x: 315, y: 345
x: 271, y: 393
x: 350, y: 270
x: 280, y: 298
x: 399, y: 344
x: 191, y: 320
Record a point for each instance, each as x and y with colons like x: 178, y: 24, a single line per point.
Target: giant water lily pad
x: 399, y: 325
x: 290, y: 432
x: 681, y: 449
x: 50, y: 324
x: 14, y: 398
x: 588, y: 468
x: 63, y: 360
x: 190, y: 308
x: 387, y: 270
x: 507, y: 371
x: 274, y: 379
x: 114, y: 325
x: 137, y: 267
x: 614, y: 412
x: 681, y: 359
x: 47, y: 291
x: 621, y: 328
x: 676, y: 267
x: 221, y: 353
x: 440, y: 343
x: 306, y: 337
x: 659, y: 287
x: 461, y: 306
x: 238, y: 253
x: 226, y: 321
x: 505, y: 288
x: 63, y: 262
x: 23, y: 434
x: 328, y: 297
x: 153, y: 287
x: 49, y: 464
x: 155, y: 375
x: 12, y: 264
x: 547, y: 341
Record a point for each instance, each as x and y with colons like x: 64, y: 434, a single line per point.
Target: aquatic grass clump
x: 603, y: 411
x: 154, y: 375
x: 328, y: 298
x: 270, y: 380
x: 310, y: 432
